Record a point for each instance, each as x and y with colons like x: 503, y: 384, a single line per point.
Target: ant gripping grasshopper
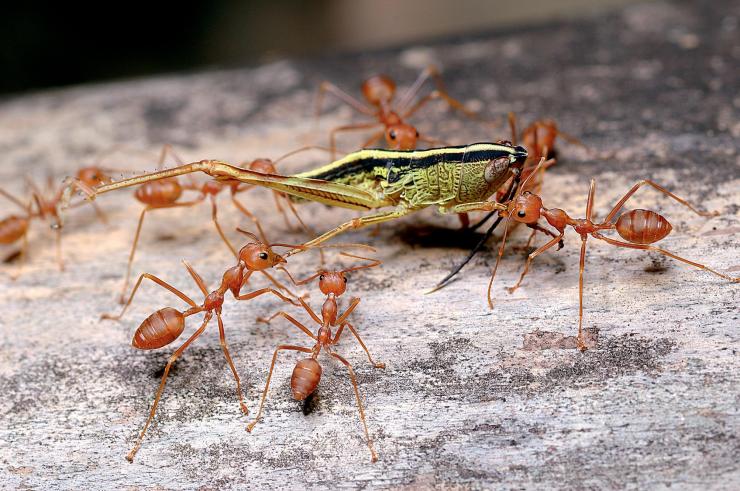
x: 165, y: 325
x: 456, y: 179
x: 639, y: 228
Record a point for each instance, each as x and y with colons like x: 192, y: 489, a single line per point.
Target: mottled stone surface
x: 652, y: 91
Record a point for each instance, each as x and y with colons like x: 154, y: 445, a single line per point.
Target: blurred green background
x: 62, y: 43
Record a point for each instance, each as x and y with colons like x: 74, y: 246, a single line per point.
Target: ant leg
x: 374, y: 138
x: 196, y: 277
x: 58, y: 240
x: 15, y: 200
x: 296, y: 323
x: 225, y: 348
x: 282, y: 347
x: 464, y: 220
x: 453, y: 103
x: 531, y: 257
x: 159, y: 282
x: 359, y: 340
x: 629, y: 245
x: 132, y: 253
x: 581, y: 266
x: 663, y: 190
x: 350, y: 127
x: 279, y: 285
x: 262, y: 291
x: 100, y: 213
x: 353, y: 379
x: 173, y: 357
x: 138, y: 232
x: 308, y: 230
x: 214, y: 216
x: 328, y: 87
x: 281, y: 210
x: 23, y: 257
x: 239, y: 206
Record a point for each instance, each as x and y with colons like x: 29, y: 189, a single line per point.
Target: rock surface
x: 469, y: 398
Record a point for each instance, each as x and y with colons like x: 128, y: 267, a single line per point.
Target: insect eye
x: 345, y: 279
x: 522, y: 213
x: 262, y: 255
x: 321, y: 277
x: 417, y: 134
x: 392, y: 134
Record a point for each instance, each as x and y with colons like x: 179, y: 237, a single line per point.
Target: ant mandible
x: 379, y: 92
x: 307, y: 372
x: 639, y: 228
x: 165, y: 325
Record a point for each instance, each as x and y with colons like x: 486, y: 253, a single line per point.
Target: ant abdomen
x: 305, y: 378
x: 159, y: 193
x: 159, y: 329
x: 12, y: 228
x: 642, y: 226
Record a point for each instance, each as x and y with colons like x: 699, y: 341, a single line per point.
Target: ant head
x: 378, y: 89
x: 526, y: 208
x: 93, y: 176
x: 212, y: 187
x: 265, y: 166
x: 258, y: 256
x: 401, y: 136
x: 333, y: 282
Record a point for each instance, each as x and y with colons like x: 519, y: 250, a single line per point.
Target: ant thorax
x: 324, y: 336
x: 329, y: 310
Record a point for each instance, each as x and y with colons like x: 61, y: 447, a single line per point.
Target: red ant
x: 379, y: 92
x: 639, y: 228
x: 165, y: 325
x: 166, y: 193
x: 307, y: 372
x: 15, y: 227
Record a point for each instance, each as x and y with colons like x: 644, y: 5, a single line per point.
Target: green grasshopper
x: 456, y: 179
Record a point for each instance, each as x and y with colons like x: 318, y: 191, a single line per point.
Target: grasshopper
x: 455, y: 179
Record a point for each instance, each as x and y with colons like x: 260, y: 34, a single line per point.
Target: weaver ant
x: 307, y: 372
x: 379, y: 92
x: 165, y: 325
x: 539, y: 140
x: 639, y: 228
x: 15, y: 227
x: 166, y: 193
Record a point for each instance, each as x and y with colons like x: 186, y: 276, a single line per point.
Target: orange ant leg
x: 629, y: 245
x: 374, y: 138
x: 239, y: 206
x: 453, y: 103
x: 159, y: 282
x: 138, y: 232
x: 661, y: 189
x: 225, y: 348
x: 350, y: 127
x: 293, y: 321
x: 359, y: 340
x: 328, y: 87
x: 531, y: 257
x: 282, y: 347
x: 173, y: 358
x: 353, y: 379
x: 464, y: 220
x: 279, y: 285
x: 58, y: 240
x: 214, y: 216
x: 581, y: 266
x: 262, y: 291
x: 433, y: 141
